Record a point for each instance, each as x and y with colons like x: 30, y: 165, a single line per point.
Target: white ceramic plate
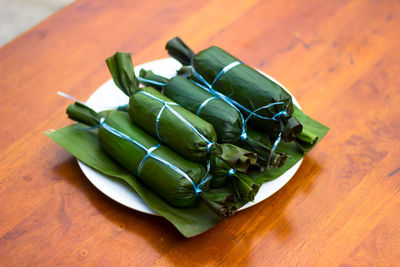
x: 109, y: 96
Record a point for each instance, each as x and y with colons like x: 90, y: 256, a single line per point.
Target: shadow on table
x: 231, y: 239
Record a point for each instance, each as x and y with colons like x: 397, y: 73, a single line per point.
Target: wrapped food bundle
x: 174, y: 125
x: 171, y: 123
x: 228, y: 123
x: 268, y: 105
x: 179, y: 181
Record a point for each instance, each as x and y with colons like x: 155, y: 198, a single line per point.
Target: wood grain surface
x: 341, y: 59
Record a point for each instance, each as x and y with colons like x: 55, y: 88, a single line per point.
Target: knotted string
x: 167, y: 105
x: 209, y: 88
x: 206, y: 178
x: 149, y: 154
x: 231, y: 172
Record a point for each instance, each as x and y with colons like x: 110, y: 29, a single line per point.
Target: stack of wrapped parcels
x: 195, y: 147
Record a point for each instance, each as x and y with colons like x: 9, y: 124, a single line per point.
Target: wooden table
x: 340, y: 59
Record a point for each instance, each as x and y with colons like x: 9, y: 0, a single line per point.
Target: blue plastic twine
x: 206, y: 178
x: 150, y: 81
x: 209, y: 88
x: 167, y: 105
x: 148, y: 154
x: 101, y: 122
x: 205, y: 103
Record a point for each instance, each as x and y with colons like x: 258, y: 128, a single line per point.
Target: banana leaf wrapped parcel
x: 178, y: 181
x: 166, y: 120
x: 226, y: 119
x: 269, y: 106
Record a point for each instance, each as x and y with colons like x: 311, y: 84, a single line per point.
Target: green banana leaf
x: 243, y: 84
x: 84, y: 145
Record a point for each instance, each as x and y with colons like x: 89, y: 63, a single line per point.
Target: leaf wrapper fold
x: 122, y: 72
x: 179, y: 50
x: 243, y: 186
